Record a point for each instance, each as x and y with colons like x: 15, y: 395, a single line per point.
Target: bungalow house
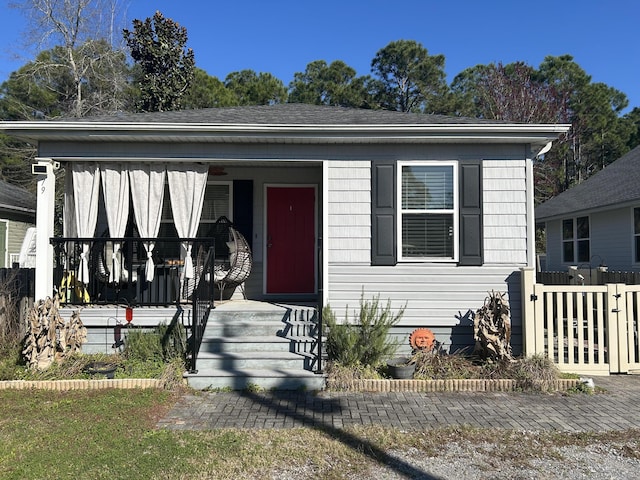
x: 596, y: 223
x: 17, y: 214
x: 427, y: 211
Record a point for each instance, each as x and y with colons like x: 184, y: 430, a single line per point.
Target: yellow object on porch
x: 71, y: 288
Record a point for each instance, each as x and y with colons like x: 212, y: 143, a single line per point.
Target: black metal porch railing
x: 131, y: 286
x: 202, y: 299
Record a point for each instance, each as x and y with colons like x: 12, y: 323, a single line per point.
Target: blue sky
x: 282, y: 36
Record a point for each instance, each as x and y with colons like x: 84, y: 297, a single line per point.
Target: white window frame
x: 574, y: 240
x: 455, y: 211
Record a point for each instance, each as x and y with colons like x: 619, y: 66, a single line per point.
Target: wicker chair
x: 231, y: 272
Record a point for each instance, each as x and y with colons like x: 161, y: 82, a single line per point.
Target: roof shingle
x: 618, y: 183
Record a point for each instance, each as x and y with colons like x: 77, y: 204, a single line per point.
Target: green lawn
x: 111, y: 434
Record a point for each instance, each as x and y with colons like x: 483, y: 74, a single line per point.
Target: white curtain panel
x: 68, y: 215
x: 187, y: 183
x: 147, y: 192
x: 115, y: 189
x: 69, y: 211
x: 86, y: 191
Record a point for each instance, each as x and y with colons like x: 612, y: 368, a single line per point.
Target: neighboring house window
x: 575, y: 240
x: 636, y: 234
x: 428, y: 211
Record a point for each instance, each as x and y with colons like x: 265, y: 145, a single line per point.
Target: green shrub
x: 163, y: 343
x: 365, y: 342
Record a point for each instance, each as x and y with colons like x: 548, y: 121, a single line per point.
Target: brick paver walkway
x: 617, y: 409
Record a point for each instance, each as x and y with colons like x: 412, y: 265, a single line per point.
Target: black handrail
x: 202, y: 299
x: 320, y: 306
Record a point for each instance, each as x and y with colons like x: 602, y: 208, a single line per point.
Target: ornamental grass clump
x: 366, y: 341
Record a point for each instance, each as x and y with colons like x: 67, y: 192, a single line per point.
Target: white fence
x: 584, y: 329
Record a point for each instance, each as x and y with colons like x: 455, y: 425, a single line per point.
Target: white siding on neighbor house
x: 15, y: 231
x: 504, y: 212
x: 349, y: 211
x: 553, y: 247
x: 611, y: 241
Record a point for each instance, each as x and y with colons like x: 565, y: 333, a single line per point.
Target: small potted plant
x: 401, y: 368
x: 422, y: 339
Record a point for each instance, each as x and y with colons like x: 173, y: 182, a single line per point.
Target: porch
x: 232, y: 342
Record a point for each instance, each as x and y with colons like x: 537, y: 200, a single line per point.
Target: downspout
x: 531, y: 216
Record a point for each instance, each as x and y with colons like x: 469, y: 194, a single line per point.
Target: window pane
x: 216, y: 202
x: 636, y: 221
x: 583, y: 251
x: 567, y: 229
x: 427, y: 235
x: 567, y: 252
x: 637, y: 249
x: 427, y: 187
x: 583, y: 227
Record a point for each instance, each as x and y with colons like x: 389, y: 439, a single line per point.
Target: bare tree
x: 84, y: 32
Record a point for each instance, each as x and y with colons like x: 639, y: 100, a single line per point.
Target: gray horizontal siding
x: 436, y: 296
x: 446, y: 291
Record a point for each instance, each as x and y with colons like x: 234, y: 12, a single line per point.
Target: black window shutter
x: 471, y: 231
x: 383, y: 212
x: 243, y: 208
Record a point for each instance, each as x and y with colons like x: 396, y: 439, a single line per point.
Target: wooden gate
x: 589, y: 330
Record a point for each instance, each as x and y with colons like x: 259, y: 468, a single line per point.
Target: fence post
x: 622, y: 323
x: 528, y: 280
x: 611, y: 327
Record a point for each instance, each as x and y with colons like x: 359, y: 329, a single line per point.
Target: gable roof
x: 282, y: 123
x: 614, y: 186
x: 16, y: 199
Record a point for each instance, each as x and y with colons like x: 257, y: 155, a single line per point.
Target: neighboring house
x: 428, y: 211
x: 17, y: 214
x: 596, y: 223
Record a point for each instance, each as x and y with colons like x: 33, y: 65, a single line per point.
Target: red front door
x: 291, y: 234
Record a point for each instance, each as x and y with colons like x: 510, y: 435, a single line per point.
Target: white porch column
x: 45, y: 206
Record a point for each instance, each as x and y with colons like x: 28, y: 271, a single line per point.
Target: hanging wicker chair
x: 233, y: 257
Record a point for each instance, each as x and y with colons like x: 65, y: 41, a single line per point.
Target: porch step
x: 241, y: 326
x: 256, y: 344
x: 248, y: 359
x: 240, y: 379
x: 272, y: 343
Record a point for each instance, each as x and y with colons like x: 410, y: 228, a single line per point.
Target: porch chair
x: 234, y: 271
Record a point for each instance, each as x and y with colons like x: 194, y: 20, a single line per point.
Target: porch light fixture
x: 216, y: 171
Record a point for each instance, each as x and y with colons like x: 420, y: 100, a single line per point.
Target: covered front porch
x: 252, y: 241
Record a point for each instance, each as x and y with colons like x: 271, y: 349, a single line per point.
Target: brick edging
x: 63, y: 385
x: 454, y: 385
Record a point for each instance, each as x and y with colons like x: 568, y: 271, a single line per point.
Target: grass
x: 111, y: 434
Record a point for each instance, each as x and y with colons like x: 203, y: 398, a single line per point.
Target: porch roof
x: 283, y: 123
x: 16, y: 199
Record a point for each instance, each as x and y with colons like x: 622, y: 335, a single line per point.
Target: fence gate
x: 589, y: 330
